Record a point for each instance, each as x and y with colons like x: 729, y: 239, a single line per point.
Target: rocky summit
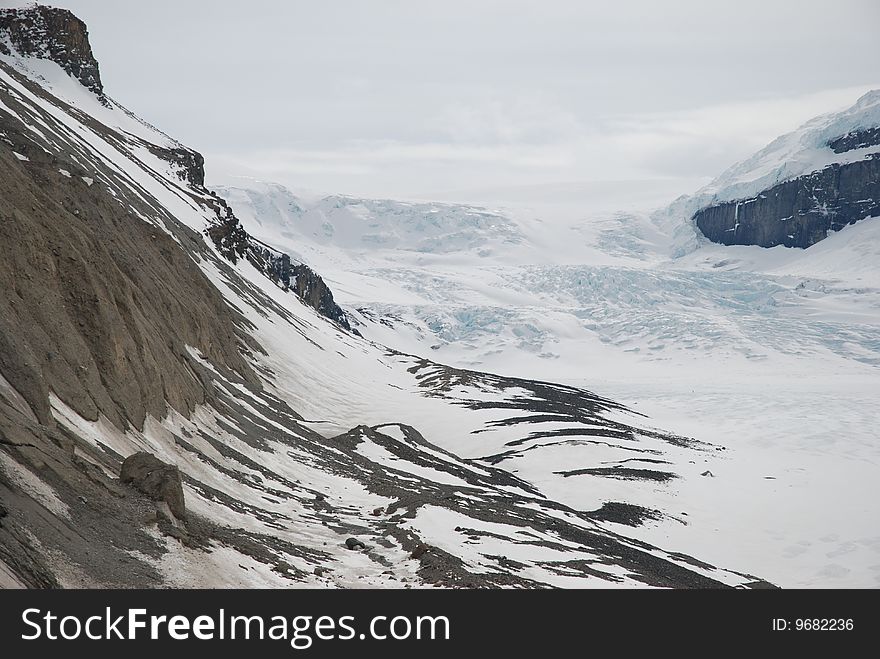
x: 53, y: 34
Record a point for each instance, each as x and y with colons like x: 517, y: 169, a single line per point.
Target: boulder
x: 420, y: 550
x: 158, y: 480
x: 354, y: 543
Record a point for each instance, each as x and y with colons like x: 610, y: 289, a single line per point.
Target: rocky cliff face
x: 54, y: 34
x: 235, y: 243
x: 817, y: 179
x: 800, y: 212
x: 190, y: 164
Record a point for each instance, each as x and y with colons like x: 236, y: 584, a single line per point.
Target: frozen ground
x: 772, y: 354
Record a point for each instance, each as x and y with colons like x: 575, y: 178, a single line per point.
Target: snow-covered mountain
x: 817, y: 179
x: 184, y: 403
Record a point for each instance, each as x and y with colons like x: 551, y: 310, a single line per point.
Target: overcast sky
x: 411, y: 97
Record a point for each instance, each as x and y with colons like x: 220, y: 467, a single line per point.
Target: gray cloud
x: 395, y: 97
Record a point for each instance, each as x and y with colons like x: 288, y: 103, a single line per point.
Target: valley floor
x: 771, y: 354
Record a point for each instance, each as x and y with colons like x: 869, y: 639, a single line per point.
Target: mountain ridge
x: 54, y: 34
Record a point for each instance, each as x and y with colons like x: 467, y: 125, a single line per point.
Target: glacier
x: 770, y: 353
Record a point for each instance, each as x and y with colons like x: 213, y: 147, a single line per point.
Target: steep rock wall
x: 800, y: 212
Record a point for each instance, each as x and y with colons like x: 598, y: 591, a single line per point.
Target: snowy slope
x: 799, y: 152
x: 115, y: 151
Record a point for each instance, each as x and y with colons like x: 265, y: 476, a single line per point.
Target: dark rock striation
x: 54, y: 34
x: 857, y: 139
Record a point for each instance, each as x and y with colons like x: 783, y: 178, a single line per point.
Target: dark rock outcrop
x: 190, y: 164
x: 230, y: 238
x: 235, y: 243
x: 54, y: 34
x: 311, y: 289
x: 800, y: 212
x: 158, y: 480
x: 857, y: 139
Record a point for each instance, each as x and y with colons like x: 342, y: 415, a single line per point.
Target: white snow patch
x: 30, y: 483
